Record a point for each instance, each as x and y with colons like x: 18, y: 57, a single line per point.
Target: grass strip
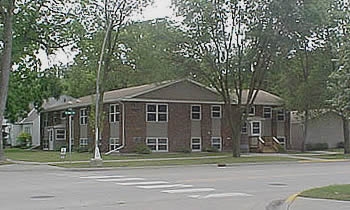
x: 334, y: 192
x: 226, y: 160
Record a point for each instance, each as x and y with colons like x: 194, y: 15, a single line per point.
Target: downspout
x: 123, y: 131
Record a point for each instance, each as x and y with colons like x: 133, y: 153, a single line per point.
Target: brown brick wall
x: 179, y: 127
x: 206, y: 126
x: 135, y: 125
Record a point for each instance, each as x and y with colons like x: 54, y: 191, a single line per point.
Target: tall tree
x: 6, y: 12
x: 233, y: 42
x: 106, y: 17
x: 304, y: 29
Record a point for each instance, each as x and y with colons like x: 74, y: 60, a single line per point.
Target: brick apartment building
x: 167, y: 117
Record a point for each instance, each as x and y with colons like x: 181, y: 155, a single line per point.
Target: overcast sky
x: 160, y: 8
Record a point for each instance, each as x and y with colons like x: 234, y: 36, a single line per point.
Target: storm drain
x: 42, y: 197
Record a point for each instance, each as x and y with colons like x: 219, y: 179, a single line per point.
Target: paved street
x: 245, y: 187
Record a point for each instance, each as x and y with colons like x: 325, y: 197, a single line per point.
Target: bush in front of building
x: 24, y: 140
x: 340, y: 145
x: 142, y: 149
x: 211, y: 149
x: 316, y: 146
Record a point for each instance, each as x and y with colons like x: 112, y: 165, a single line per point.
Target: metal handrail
x: 261, y: 140
x: 276, y: 140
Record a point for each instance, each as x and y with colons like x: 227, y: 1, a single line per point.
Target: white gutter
x: 123, y: 131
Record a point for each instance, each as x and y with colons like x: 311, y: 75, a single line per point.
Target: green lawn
x: 335, y: 192
x: 129, y: 159
x: 332, y: 156
x: 213, y: 160
x: 54, y: 156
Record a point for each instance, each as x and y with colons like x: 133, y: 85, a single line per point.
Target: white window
x: 114, y: 113
x: 157, y: 112
x: 83, y: 142
x: 157, y: 144
x: 256, y: 128
x: 282, y: 140
x: 60, y: 134
x: 244, y: 129
x: 63, y: 115
x: 216, y: 143
x: 46, y: 119
x: 280, y: 115
x: 196, y: 144
x: 27, y: 130
x: 83, y: 116
x: 267, y: 112
x: 216, y: 111
x: 195, y: 112
x: 252, y: 111
x: 113, y: 143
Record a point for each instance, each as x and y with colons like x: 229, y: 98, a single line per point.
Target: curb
x: 290, y: 200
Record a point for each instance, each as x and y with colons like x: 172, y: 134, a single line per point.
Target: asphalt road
x: 245, y: 187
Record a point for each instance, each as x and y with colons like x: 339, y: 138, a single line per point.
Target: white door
x: 51, y: 138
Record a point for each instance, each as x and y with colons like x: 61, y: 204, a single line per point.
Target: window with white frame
x: 216, y: 143
x: 255, y: 128
x: 60, y: 134
x: 195, y: 112
x: 252, y: 111
x: 63, y: 115
x: 83, y: 116
x: 282, y: 140
x: 157, y: 112
x: 113, y: 143
x: 196, y: 144
x: 216, y: 111
x: 83, y: 142
x: 157, y: 144
x: 46, y: 119
x: 280, y: 115
x: 267, y: 112
x: 114, y: 113
x: 244, y: 129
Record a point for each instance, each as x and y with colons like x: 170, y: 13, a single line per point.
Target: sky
x: 160, y: 8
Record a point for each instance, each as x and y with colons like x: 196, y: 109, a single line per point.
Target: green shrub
x: 142, y: 149
x: 281, y: 149
x: 184, y: 150
x: 316, y: 146
x: 340, y: 144
x: 24, y: 140
x: 82, y: 149
x: 211, y: 149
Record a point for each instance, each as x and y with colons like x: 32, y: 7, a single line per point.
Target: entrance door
x: 51, y: 138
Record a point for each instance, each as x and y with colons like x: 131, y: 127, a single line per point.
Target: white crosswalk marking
x: 100, y: 177
x: 222, y: 195
x: 142, y: 183
x: 165, y: 186
x: 192, y: 190
x: 120, y: 180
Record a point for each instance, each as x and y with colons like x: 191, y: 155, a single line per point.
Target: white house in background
x: 323, y: 127
x: 31, y: 124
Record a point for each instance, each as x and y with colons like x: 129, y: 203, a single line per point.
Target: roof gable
x: 183, y: 90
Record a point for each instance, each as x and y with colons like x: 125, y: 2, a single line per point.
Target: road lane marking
x: 120, y: 180
x: 100, y: 177
x: 224, y: 195
x: 142, y: 183
x: 192, y: 190
x: 165, y: 186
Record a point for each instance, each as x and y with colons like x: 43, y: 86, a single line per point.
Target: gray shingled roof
x: 263, y: 98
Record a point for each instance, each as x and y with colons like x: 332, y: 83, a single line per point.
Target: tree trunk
x: 6, y: 64
x: 234, y: 120
x: 346, y: 135
x: 306, y: 120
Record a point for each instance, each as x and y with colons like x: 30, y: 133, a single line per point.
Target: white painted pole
x: 70, y: 136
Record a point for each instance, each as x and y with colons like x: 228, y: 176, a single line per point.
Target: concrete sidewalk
x: 301, y: 203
